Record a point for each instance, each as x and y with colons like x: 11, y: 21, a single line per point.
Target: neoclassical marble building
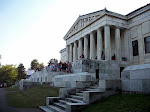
x: 106, y: 35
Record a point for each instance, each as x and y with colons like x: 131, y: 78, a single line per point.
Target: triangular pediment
x: 83, y: 21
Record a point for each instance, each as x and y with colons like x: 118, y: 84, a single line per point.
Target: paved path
x: 5, y: 108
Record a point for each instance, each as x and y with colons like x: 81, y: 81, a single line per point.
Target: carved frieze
x: 81, y: 23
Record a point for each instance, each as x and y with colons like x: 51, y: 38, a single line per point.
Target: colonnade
x: 76, y: 49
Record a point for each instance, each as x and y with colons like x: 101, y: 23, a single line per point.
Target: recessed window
x: 147, y: 44
x: 135, y: 48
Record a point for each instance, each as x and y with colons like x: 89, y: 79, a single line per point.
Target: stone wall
x: 139, y: 28
x: 63, y: 55
x: 26, y: 84
x: 105, y: 85
x: 71, y: 80
x: 107, y: 69
x: 44, y: 76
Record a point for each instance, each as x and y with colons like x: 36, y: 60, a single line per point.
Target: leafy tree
x: 0, y: 61
x: 8, y: 74
x: 41, y: 66
x: 52, y: 61
x: 21, y: 72
x: 34, y: 64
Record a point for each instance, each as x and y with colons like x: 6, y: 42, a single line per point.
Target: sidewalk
x: 5, y: 108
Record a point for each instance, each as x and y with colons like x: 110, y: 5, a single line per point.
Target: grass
x: 15, y: 88
x: 32, y: 97
x: 122, y: 103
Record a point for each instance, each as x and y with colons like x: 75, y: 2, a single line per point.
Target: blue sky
x: 17, y: 16
x: 32, y: 29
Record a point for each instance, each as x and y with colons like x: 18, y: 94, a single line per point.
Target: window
x: 147, y: 44
x: 135, y: 48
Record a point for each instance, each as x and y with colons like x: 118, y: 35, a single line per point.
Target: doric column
x: 80, y: 48
x: 67, y: 53
x: 99, y: 44
x: 117, y: 41
x: 92, y: 46
x: 85, y: 47
x: 75, y: 51
x: 70, y: 57
x: 107, y: 43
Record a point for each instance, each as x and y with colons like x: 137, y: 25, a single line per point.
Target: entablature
x: 85, y: 20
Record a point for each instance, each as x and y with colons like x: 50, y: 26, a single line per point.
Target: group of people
x: 3, y: 85
x: 65, y: 67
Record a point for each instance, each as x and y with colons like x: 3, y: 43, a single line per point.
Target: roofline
x: 106, y: 12
x: 63, y: 50
x: 137, y: 10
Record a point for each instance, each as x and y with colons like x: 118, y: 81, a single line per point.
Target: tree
x: 0, y: 59
x: 52, y: 61
x: 34, y: 64
x: 21, y: 72
x: 8, y: 74
x: 41, y: 66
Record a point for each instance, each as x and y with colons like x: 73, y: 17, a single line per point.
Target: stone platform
x: 71, y: 80
x: 136, y: 78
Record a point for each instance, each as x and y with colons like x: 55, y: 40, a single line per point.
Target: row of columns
x: 107, y: 48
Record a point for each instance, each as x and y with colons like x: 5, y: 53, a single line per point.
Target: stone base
x: 136, y: 78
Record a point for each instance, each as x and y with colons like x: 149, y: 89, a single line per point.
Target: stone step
x: 55, y: 109
x: 79, y: 94
x: 72, y: 100
x: 63, y: 102
x: 60, y: 105
x: 82, y: 91
x: 77, y: 97
x: 93, y: 89
x: 45, y: 109
x: 95, y: 86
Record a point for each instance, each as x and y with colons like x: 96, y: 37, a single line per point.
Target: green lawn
x: 15, y: 88
x: 122, y: 103
x: 32, y: 97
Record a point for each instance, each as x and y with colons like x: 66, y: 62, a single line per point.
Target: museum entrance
x: 97, y: 74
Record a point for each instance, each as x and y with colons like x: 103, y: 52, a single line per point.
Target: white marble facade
x: 105, y: 35
x: 63, y: 55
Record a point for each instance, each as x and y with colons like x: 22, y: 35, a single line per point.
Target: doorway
x: 97, y: 74
x: 121, y: 69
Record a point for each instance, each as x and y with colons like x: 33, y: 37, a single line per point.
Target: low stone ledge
x: 91, y: 96
x: 71, y: 79
x: 110, y: 85
x: 84, y: 84
x: 136, y: 86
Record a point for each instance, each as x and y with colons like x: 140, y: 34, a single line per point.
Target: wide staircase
x: 75, y: 102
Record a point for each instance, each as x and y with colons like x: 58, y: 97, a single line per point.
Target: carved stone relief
x: 81, y: 23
